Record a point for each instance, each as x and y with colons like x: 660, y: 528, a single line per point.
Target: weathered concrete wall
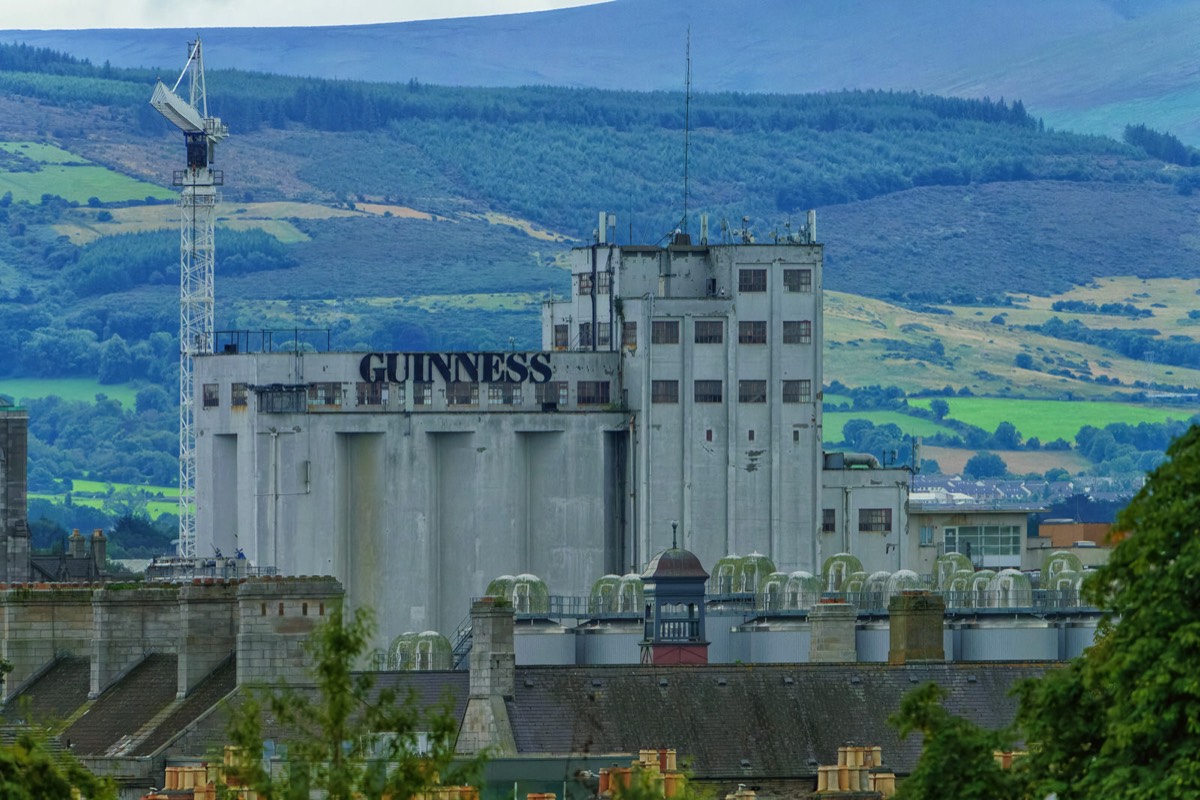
x: 40, y: 624
x: 207, y: 630
x: 127, y: 624
x: 275, y: 617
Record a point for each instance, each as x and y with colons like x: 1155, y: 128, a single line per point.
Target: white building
x: 677, y: 383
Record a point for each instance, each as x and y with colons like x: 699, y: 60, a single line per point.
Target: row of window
x: 712, y: 331
x: 870, y: 520
x: 458, y: 393
x: 601, y: 284
x: 666, y: 331
x: 755, y: 280
x: 749, y: 280
x: 749, y: 391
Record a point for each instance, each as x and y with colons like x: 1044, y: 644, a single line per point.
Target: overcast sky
x: 59, y: 14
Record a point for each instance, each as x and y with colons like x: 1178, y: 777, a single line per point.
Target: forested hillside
x: 412, y: 216
x: 1088, y: 65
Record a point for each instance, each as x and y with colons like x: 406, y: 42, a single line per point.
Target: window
x: 707, y: 391
x: 585, y: 334
x: 664, y: 331
x: 710, y: 331
x: 212, y: 395
x: 369, y: 394
x: 504, y: 394
x: 797, y: 391
x: 462, y: 393
x: 752, y: 280
x: 828, y: 520
x: 752, y: 333
x: 324, y: 394
x: 984, y: 540
x: 585, y: 283
x: 282, y: 400
x: 926, y: 534
x: 237, y: 395
x: 422, y: 393
x: 554, y: 392
x: 708, y: 434
x: 664, y: 391
x: 602, y: 282
x: 750, y: 435
x: 562, y: 337
x: 592, y: 393
x: 629, y: 334
x: 603, y: 334
x: 875, y: 520
x: 797, y: 331
x: 752, y: 391
x: 797, y: 280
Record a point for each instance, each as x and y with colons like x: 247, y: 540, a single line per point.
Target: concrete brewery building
x: 677, y: 383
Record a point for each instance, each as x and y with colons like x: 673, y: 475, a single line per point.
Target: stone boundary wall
x: 39, y: 624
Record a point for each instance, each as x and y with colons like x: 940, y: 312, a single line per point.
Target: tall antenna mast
x: 687, y: 125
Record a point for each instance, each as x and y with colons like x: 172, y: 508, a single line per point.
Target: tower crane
x: 197, y: 221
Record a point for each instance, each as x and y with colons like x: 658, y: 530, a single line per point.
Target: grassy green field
x: 84, y: 389
x: 77, y: 183
x: 1051, y: 419
x: 118, y: 503
x: 103, y: 487
x: 71, y: 177
x: 43, y: 153
x: 835, y: 422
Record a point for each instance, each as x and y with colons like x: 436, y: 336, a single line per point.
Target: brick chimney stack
x: 486, y: 724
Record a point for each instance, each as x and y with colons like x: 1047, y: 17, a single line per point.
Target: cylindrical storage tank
x: 873, y: 640
x: 536, y: 645
x: 780, y: 645
x: 998, y: 640
x: 724, y: 645
x: 1079, y: 635
x: 611, y: 643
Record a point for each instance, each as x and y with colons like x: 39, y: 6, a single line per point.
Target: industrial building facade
x: 678, y: 383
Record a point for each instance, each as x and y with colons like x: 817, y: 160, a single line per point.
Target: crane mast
x: 197, y: 221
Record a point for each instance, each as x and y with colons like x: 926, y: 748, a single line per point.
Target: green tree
x: 30, y: 771
x: 957, y: 761
x: 1120, y: 722
x: 939, y: 407
x: 347, y: 740
x: 985, y: 465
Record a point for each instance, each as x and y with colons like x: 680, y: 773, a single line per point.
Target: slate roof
x: 217, y: 685
x: 56, y: 693
x: 126, y: 707
x: 756, y: 721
